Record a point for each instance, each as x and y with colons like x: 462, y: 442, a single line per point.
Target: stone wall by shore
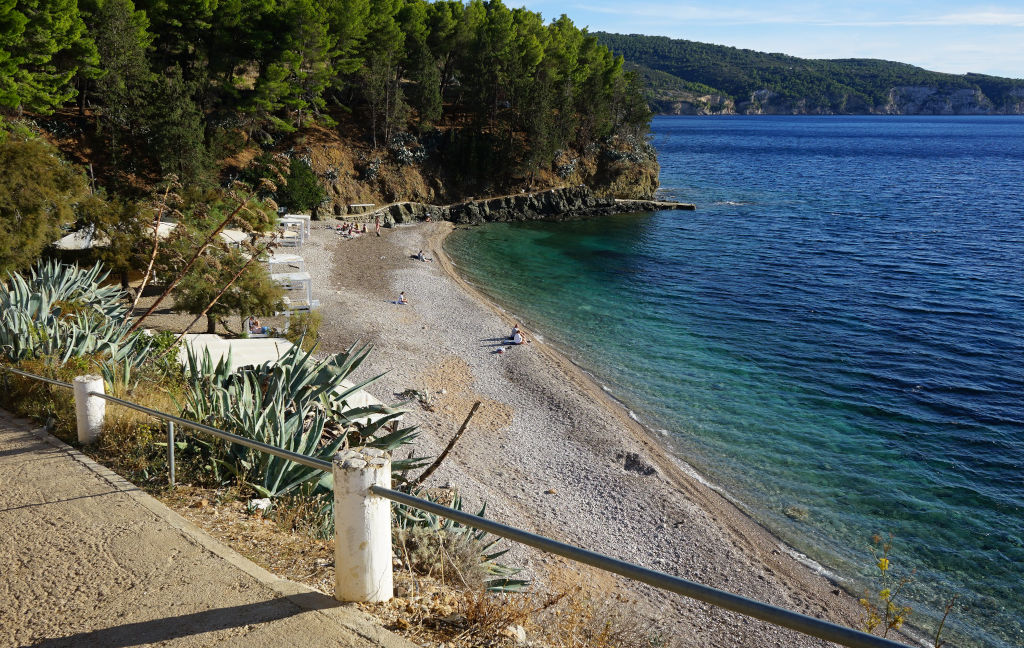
x: 566, y: 203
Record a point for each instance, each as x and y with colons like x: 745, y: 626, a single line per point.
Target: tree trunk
x: 211, y: 323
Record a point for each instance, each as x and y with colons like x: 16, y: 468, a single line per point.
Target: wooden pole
x: 156, y: 246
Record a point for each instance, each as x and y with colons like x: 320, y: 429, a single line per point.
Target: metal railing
x: 772, y: 614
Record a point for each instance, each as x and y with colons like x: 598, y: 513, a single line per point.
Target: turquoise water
x: 835, y: 337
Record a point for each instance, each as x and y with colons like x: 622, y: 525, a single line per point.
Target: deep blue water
x: 835, y: 337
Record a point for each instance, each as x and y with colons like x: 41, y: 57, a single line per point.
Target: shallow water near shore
x: 835, y: 337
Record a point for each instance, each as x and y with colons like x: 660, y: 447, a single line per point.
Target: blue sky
x: 938, y: 35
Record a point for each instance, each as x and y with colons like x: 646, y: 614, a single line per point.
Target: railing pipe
x: 305, y: 460
x: 59, y: 383
x: 770, y: 613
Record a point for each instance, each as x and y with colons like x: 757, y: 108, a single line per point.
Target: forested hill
x: 687, y: 77
x: 381, y: 99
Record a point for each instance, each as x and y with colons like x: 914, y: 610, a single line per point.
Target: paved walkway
x: 86, y: 559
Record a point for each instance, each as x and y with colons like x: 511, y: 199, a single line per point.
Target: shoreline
x: 622, y: 410
x: 553, y: 452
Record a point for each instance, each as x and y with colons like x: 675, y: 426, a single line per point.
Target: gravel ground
x: 549, y: 451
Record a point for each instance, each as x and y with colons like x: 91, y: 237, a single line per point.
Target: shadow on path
x: 67, y: 499
x: 167, y: 629
x: 34, y: 447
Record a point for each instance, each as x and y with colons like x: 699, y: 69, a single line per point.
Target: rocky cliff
x: 413, y: 172
x: 901, y: 100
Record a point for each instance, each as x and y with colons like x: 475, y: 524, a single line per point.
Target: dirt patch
x: 451, y: 395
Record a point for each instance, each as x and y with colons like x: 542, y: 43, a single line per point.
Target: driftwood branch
x: 156, y: 246
x: 191, y: 262
x: 437, y: 462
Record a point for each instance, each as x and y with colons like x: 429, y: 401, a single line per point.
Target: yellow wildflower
x: 884, y: 594
x: 883, y: 563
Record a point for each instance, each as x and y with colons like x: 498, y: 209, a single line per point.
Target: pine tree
x: 42, y: 45
x: 124, y: 79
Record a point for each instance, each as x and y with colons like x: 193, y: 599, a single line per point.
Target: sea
x: 834, y: 338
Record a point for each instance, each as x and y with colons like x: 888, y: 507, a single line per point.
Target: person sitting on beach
x: 517, y: 338
x: 515, y: 331
x: 254, y: 326
x: 401, y: 298
x: 364, y: 228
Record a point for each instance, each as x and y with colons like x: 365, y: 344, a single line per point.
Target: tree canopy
x: 39, y: 193
x: 165, y: 80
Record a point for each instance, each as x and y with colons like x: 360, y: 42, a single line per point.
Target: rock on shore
x: 555, y: 204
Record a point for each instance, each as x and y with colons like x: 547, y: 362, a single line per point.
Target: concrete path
x: 86, y: 559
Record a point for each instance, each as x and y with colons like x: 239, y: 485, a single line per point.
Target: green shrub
x: 304, y: 329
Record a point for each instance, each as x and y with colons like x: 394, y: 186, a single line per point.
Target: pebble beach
x: 549, y: 451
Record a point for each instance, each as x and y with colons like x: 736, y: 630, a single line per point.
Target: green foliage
x: 173, y: 81
x: 38, y: 194
x: 302, y: 191
x: 42, y: 45
x: 125, y: 81
x: 298, y: 403
x: 176, y: 129
x: 122, y: 227
x: 250, y: 293
x: 451, y: 551
x: 61, y: 312
x: 304, y: 329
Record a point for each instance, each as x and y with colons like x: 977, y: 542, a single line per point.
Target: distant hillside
x: 686, y: 77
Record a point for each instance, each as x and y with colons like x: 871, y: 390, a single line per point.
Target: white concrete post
x: 89, y: 410
x: 362, y: 526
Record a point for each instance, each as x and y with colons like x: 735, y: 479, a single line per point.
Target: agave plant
x: 297, y: 403
x: 447, y: 533
x: 62, y: 311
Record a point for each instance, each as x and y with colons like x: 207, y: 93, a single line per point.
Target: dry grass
x: 225, y: 515
x: 52, y: 406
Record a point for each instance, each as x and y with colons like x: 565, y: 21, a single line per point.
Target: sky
x: 938, y: 35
